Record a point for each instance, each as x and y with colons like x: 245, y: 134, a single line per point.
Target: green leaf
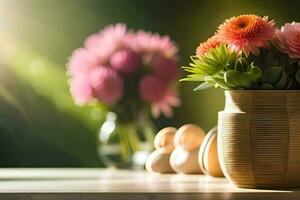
x: 241, y: 65
x: 239, y: 79
x: 282, y: 83
x: 221, y: 83
x: 230, y: 78
x: 210, y: 64
x: 254, y: 73
x: 203, y: 86
x: 269, y: 59
x: 276, y: 77
x: 272, y: 75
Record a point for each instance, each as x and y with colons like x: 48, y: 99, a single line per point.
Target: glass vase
x: 125, y: 143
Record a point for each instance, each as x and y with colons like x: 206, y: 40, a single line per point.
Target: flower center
x: 247, y: 26
x: 242, y: 24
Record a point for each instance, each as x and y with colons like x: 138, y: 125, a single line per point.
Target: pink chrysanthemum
x: 211, y: 43
x: 154, y: 91
x: 246, y: 33
x: 125, y: 61
x: 81, y: 61
x: 146, y: 42
x: 97, y: 68
x: 288, y: 39
x: 165, y: 68
x: 107, y: 85
x: 109, y: 40
x: 165, y: 105
x: 81, y: 89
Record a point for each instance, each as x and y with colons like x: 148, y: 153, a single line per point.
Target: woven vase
x: 259, y: 138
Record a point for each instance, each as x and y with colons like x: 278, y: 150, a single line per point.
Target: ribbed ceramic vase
x: 259, y: 138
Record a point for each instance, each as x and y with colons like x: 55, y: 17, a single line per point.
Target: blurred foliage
x: 39, y: 123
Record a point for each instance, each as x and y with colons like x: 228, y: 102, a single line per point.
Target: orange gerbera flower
x: 246, y: 33
x: 204, y: 47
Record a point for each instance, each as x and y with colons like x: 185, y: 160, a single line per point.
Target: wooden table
x: 74, y: 184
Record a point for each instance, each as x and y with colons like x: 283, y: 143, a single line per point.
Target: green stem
x: 123, y: 144
x: 134, y: 140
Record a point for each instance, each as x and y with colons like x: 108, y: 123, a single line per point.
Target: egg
x: 189, y: 137
x: 159, y: 160
x: 164, y: 139
x: 187, y: 141
x: 186, y: 162
x: 208, y: 155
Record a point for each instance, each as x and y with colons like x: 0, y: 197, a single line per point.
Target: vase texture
x: 259, y: 138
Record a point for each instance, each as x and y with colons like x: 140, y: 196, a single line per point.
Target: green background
x: 39, y: 123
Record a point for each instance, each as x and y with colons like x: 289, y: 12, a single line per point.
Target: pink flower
x: 211, y: 43
x: 107, y: 85
x: 165, y: 68
x: 154, y: 91
x: 81, y: 61
x: 97, y: 70
x: 146, y: 42
x: 81, y: 89
x: 165, y: 105
x: 246, y: 33
x: 288, y: 39
x: 125, y: 61
x: 109, y: 40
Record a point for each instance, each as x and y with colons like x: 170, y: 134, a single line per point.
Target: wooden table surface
x: 73, y: 184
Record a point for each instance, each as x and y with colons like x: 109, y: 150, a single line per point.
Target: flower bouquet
x: 258, y: 131
x: 131, y: 74
x: 248, y: 52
